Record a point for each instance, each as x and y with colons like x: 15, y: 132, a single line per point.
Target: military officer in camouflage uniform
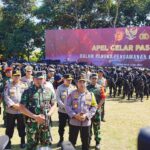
x: 61, y: 95
x: 38, y: 103
x: 100, y: 97
x: 6, y: 79
x: 81, y: 107
x: 12, y: 95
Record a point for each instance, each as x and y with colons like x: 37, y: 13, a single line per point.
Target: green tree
x: 134, y: 12
x: 16, y: 28
x: 72, y: 14
x: 23, y: 25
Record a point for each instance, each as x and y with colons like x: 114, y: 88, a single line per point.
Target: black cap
x: 94, y: 75
x: 39, y: 74
x: 57, y: 77
x: 100, y: 70
x: 83, y: 73
x: 82, y: 78
x: 68, y: 76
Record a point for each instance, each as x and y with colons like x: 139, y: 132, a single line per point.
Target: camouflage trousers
x: 37, y: 135
x: 96, y: 126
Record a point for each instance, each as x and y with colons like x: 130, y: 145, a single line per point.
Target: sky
x: 0, y: 2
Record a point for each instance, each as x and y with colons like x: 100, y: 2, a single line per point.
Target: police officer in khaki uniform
x: 12, y: 95
x: 81, y: 107
x: 61, y: 94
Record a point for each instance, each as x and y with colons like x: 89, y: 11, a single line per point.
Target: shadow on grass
x: 123, y: 100
x: 113, y: 99
x: 92, y: 147
x: 55, y: 123
x: 16, y: 146
x: 129, y: 101
x: 2, y: 126
x: 54, y: 146
x: 78, y: 147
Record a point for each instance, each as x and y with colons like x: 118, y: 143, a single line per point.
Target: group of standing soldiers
x: 126, y: 81
x: 30, y: 94
x: 31, y: 100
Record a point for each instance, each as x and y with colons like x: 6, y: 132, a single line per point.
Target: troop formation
x: 30, y: 94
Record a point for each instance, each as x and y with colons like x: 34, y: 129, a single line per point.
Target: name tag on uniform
x: 12, y: 92
x: 88, y: 99
x: 75, y: 104
x: 23, y: 86
x: 64, y: 95
x: 88, y: 102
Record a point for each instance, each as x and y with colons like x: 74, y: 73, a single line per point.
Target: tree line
x: 23, y: 22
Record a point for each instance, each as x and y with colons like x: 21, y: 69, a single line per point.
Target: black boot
x: 8, y: 145
x: 90, y: 142
x: 22, y: 143
x: 60, y: 141
x: 97, y: 147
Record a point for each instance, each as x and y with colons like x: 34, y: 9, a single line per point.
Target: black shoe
x: 5, y: 124
x: 97, y: 147
x: 59, y: 143
x: 8, y: 145
x: 103, y: 120
x: 22, y: 144
x: 90, y: 142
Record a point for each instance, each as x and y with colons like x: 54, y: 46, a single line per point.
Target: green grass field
x: 123, y: 120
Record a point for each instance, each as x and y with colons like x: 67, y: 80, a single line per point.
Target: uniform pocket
x: 88, y: 102
x: 75, y: 104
